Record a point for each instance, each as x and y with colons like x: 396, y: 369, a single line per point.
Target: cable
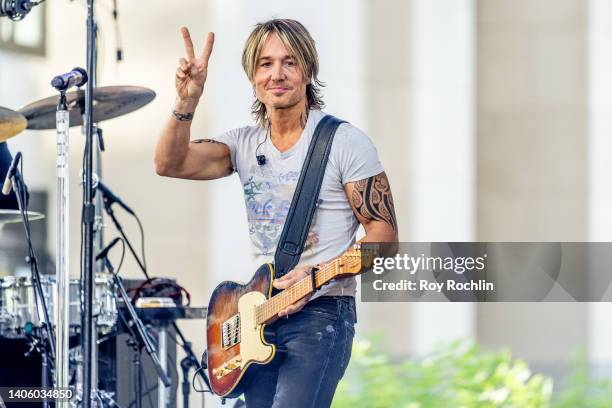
x: 195, y: 375
x: 196, y: 372
x: 122, y: 255
x: 82, y: 246
x: 142, y: 243
x: 264, y: 141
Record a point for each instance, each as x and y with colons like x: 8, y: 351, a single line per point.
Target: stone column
x: 532, y: 155
x: 421, y: 105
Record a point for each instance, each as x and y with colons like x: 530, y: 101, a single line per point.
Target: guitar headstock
x: 355, y: 260
x: 350, y: 261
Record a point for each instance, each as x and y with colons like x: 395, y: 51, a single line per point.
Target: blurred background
x: 492, y: 118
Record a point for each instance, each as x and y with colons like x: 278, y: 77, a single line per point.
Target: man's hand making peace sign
x: 191, y: 74
x: 175, y: 155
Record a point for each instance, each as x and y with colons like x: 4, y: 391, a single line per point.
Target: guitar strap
x: 304, y: 202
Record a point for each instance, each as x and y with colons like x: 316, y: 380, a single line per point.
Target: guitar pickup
x: 227, y: 367
x: 230, y: 332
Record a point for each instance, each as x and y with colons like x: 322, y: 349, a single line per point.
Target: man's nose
x: 277, y: 73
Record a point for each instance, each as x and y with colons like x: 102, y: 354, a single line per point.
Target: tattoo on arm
x: 373, y: 200
x: 204, y: 141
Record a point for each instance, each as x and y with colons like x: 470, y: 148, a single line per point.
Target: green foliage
x: 458, y: 375
x: 582, y: 390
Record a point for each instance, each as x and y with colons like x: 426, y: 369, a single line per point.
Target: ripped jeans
x: 318, y: 340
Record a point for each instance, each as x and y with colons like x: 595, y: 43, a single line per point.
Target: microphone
x: 107, y: 248
x: 110, y: 197
x: 76, y: 77
x: 8, y: 181
x: 261, y: 159
x: 16, y: 9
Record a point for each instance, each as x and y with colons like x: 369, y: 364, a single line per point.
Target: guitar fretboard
x: 268, y: 311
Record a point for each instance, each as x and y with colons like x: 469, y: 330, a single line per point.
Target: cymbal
x: 14, y: 216
x: 108, y: 103
x: 11, y: 123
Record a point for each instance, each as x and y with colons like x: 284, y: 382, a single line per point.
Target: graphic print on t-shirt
x: 268, y: 191
x: 268, y: 197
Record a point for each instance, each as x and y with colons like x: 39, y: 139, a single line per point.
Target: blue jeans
x: 318, y: 341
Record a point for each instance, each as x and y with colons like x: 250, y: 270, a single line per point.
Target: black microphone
x: 107, y: 248
x: 110, y: 197
x: 76, y: 77
x: 261, y: 159
x: 16, y: 9
x: 8, y: 181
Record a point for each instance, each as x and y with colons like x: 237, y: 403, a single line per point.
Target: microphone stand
x: 139, y: 338
x: 88, y: 213
x: 184, y: 343
x: 186, y: 363
x: 47, y: 348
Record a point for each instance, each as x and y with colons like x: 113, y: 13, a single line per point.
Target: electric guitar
x: 238, y: 313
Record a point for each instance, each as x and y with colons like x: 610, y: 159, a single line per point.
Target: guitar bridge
x: 230, y: 332
x: 227, y: 367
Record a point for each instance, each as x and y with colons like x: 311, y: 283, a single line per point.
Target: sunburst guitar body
x: 238, y: 314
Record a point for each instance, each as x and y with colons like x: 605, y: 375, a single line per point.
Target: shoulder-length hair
x: 298, y: 41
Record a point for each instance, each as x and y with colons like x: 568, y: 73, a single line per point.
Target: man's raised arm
x: 175, y: 154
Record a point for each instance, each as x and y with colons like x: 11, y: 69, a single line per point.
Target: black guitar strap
x: 304, y: 202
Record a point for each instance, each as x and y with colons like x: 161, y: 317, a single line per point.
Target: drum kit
x: 19, y: 312
x: 22, y: 313
x: 18, y: 305
x: 97, y: 303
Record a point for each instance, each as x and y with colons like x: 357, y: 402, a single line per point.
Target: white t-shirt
x: 268, y: 191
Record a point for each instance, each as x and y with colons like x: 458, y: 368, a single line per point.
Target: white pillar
x: 442, y: 153
x: 600, y: 148
x: 532, y: 159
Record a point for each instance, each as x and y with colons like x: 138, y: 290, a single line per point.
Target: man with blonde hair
x: 281, y: 62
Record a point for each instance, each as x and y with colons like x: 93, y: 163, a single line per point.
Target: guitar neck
x: 268, y: 311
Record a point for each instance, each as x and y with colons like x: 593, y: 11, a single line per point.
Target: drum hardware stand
x: 107, y: 396
x: 94, y: 363
x: 184, y: 343
x: 46, y: 345
x: 42, y: 348
x: 102, y: 398
x: 136, y: 367
x: 139, y: 339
